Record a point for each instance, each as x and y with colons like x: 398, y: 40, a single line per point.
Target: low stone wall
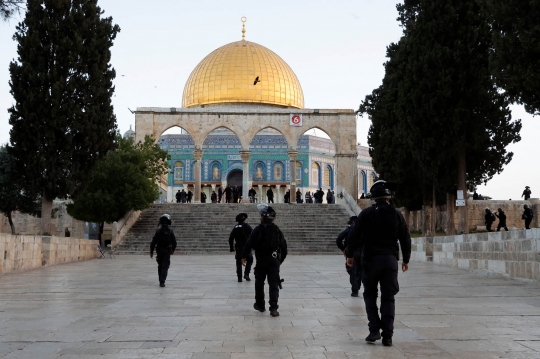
x: 29, y: 252
x: 514, y: 254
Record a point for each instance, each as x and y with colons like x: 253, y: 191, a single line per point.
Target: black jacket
x: 240, y: 233
x: 488, y: 217
x: 254, y: 242
x: 377, y: 231
x: 159, y: 232
x: 502, y: 218
x: 341, y: 240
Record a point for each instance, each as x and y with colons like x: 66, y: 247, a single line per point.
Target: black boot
x: 387, y: 342
x: 372, y: 337
x: 246, y: 277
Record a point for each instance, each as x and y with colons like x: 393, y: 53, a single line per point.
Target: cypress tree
x: 457, y: 122
x: 62, y: 118
x: 516, y: 59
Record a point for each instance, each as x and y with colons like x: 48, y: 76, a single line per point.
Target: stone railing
x: 120, y: 228
x: 29, y: 252
x: 514, y: 254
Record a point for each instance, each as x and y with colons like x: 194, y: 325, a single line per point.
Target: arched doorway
x: 234, y: 178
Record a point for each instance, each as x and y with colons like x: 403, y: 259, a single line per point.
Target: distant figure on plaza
x: 489, y: 218
x: 252, y: 193
x: 270, y: 250
x: 237, y: 241
x: 213, y: 197
x: 298, y: 196
x: 270, y: 195
x: 330, y: 197
x: 475, y: 195
x: 235, y: 194
x: 527, y: 216
x: 319, y: 196
x: 178, y: 196
x: 355, y: 272
x: 67, y: 233
x: 502, y: 220
x: 203, y: 197
x: 228, y: 194
x: 309, y: 198
x: 526, y: 193
x: 164, y: 242
x: 183, y: 196
x: 287, y: 197
x: 480, y: 197
x: 220, y: 194
x: 189, y: 196
x: 376, y: 233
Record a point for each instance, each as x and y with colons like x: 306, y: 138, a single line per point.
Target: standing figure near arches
x: 270, y: 195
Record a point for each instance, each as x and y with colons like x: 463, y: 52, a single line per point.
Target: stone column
x: 261, y: 194
x: 245, y: 175
x: 197, y: 153
x: 292, y: 173
x: 278, y: 194
x: 345, y: 172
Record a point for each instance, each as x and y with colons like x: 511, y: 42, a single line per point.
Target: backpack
x: 269, y: 239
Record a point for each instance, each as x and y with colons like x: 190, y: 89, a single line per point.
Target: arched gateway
x: 245, y: 88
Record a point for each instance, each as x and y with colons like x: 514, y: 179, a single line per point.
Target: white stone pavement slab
x: 114, y: 308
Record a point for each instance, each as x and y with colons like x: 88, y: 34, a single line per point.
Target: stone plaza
x: 114, y: 308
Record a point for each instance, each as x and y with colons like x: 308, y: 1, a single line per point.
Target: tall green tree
x: 457, y: 122
x: 13, y: 196
x: 516, y: 59
x: 125, y: 179
x: 62, y: 119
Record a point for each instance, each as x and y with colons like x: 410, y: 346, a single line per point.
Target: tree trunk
x: 463, y: 226
x: 407, y: 217
x: 425, y: 219
x: 450, y: 209
x: 433, y: 212
x: 46, y: 210
x: 10, y: 222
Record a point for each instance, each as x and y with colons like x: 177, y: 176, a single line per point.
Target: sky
x: 336, y: 48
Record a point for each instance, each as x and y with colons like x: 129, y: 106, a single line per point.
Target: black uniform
x: 375, y: 233
x: 240, y: 234
x: 526, y: 193
x: 502, y: 221
x: 252, y: 195
x: 527, y: 216
x: 489, y: 219
x: 270, y: 250
x: 164, y: 242
x: 355, y: 272
x: 270, y: 196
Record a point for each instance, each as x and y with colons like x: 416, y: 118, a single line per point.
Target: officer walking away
x: 355, y: 272
x: 270, y: 195
x: 178, y: 196
x: 376, y: 233
x: 526, y: 193
x: 270, y: 251
x: 164, y: 242
x: 527, y: 216
x: 502, y: 220
x: 252, y: 193
x: 240, y: 234
x: 489, y: 218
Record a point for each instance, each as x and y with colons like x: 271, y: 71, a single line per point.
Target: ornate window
x: 178, y: 172
x: 216, y: 171
x: 362, y: 183
x: 298, y: 172
x: 259, y: 171
x: 327, y: 176
x: 278, y: 171
x: 315, y: 169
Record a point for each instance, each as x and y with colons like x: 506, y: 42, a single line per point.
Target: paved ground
x: 115, y: 309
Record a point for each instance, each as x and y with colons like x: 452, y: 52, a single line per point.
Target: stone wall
x: 514, y: 254
x: 29, y: 252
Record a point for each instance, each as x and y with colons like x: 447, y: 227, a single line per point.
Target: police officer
x: 376, y: 233
x: 355, y: 272
x: 270, y: 250
x: 240, y: 234
x: 164, y: 242
x: 489, y: 218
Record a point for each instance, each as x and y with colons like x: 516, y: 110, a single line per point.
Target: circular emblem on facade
x: 296, y: 119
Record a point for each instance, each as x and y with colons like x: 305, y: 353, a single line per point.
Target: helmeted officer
x: 240, y: 234
x: 376, y: 233
x: 270, y: 250
x: 355, y: 272
x: 164, y: 242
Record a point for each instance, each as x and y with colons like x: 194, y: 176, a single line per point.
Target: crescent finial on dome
x: 243, y: 19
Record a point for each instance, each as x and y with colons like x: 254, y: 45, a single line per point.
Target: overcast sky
x: 336, y: 48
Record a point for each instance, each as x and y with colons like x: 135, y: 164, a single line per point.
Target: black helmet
x: 352, y: 220
x: 165, y: 219
x: 266, y: 211
x: 380, y: 190
x: 241, y: 217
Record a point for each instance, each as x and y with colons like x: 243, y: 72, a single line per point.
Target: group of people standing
x: 231, y: 194
x: 490, y: 217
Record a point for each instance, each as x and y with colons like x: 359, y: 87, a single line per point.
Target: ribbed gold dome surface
x: 227, y: 75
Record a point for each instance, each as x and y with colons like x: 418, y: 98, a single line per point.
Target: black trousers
x: 355, y: 274
x: 270, y: 199
x: 502, y: 225
x: 381, y: 269
x: 267, y: 268
x: 528, y: 223
x: 238, y: 257
x: 488, y: 226
x: 163, y: 258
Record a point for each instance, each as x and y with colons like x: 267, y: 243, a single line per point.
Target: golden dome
x: 228, y: 75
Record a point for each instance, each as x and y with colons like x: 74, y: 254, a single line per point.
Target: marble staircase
x: 205, y: 228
